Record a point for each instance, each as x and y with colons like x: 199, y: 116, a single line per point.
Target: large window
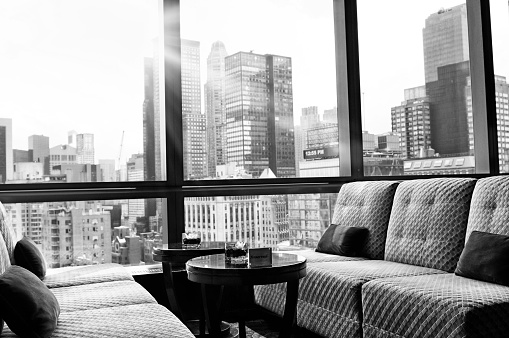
x: 261, y: 110
x: 417, y: 112
x: 258, y: 94
x: 81, y: 96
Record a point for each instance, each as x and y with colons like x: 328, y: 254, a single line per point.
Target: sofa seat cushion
x: 329, y: 301
x: 142, y: 320
x: 313, y: 257
x: 432, y: 306
x: 428, y: 222
x: 79, y: 275
x: 100, y: 295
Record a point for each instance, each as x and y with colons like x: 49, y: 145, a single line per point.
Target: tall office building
x: 152, y: 117
x: 446, y: 69
x: 6, y: 153
x: 148, y: 122
x: 411, y: 120
x: 39, y: 146
x: 193, y: 121
x: 107, y: 170
x: 261, y: 221
x: 445, y: 39
x: 85, y: 148
x: 259, y: 113
x: 215, y: 108
x: 135, y: 173
x: 308, y: 119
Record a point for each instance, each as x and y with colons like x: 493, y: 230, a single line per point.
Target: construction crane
x: 120, y: 152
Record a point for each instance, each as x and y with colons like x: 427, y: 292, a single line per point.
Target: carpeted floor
x: 256, y: 329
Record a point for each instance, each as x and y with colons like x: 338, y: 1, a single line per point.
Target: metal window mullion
x: 483, y: 87
x: 348, y: 88
x: 173, y: 114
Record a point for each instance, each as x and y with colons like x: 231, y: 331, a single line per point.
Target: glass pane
x: 91, y: 232
x: 276, y: 221
x: 500, y: 35
x: 416, y: 90
x: 80, y: 91
x: 259, y: 100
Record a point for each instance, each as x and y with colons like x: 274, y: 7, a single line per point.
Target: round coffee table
x: 174, y: 256
x: 212, y: 272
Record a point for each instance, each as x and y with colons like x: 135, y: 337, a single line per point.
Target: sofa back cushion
x: 489, y: 210
x: 8, y: 234
x: 368, y: 205
x: 429, y: 221
x: 5, y: 261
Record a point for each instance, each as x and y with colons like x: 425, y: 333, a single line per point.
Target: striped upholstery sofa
x: 97, y: 300
x: 404, y: 284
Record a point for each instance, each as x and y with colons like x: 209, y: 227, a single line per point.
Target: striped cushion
x: 329, y: 302
x: 100, y: 295
x: 489, y: 210
x: 7, y: 232
x: 142, y: 320
x: 428, y: 222
x: 79, y: 275
x: 445, y: 306
x: 5, y: 262
x: 368, y: 205
x: 314, y: 257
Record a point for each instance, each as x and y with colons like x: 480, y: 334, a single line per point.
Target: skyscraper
x: 39, y: 145
x: 193, y: 120
x: 85, y: 148
x: 259, y: 113
x: 215, y: 108
x: 411, y: 120
x: 446, y: 71
x: 445, y: 39
x: 6, y: 153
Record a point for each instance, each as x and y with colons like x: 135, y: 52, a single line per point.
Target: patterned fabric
x: 100, y: 295
x: 313, y: 257
x: 142, y: 320
x: 428, y: 222
x: 367, y: 204
x: 329, y: 302
x: 489, y: 209
x: 8, y: 233
x: 79, y: 275
x: 445, y: 306
x: 5, y: 262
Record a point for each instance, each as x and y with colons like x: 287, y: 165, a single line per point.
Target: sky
x: 78, y: 65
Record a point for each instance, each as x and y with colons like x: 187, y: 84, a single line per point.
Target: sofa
x: 406, y: 280
x: 83, y: 301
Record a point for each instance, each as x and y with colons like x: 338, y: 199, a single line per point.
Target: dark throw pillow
x: 486, y: 258
x: 28, y: 256
x: 342, y: 240
x: 27, y: 306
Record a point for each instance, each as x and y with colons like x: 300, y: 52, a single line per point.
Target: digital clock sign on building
x: 320, y: 153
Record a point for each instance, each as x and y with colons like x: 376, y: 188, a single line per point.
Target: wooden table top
x: 212, y: 269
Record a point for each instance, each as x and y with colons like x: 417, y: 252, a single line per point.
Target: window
x: 268, y: 105
x: 426, y: 75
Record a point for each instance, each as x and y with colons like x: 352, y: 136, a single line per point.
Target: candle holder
x: 236, y: 253
x: 191, y: 240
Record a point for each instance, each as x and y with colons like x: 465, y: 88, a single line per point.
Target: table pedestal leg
x: 212, y: 296
x: 170, y: 289
x: 290, y: 315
